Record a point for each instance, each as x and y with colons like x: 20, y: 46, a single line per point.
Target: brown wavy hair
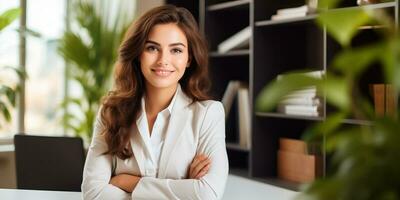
x: 120, y: 107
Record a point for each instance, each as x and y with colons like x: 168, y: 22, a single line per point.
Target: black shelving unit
x: 275, y: 47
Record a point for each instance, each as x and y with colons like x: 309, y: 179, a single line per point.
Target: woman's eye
x: 175, y: 51
x: 151, y: 48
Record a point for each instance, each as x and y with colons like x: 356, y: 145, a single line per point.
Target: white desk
x: 237, y: 188
x: 14, y: 194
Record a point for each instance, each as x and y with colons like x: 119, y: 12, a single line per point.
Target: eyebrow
x: 173, y: 44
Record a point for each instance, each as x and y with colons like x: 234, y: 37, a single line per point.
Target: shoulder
x: 209, y: 108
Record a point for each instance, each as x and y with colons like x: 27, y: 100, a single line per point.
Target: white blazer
x: 193, y: 129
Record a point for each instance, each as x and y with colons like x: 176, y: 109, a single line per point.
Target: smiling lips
x: 162, y: 72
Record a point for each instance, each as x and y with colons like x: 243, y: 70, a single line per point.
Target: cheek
x: 181, y: 62
x: 147, y: 59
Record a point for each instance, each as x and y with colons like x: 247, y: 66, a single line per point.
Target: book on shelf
x: 294, y: 162
x: 303, y: 114
x: 391, y: 99
x: 288, y: 13
x: 292, y: 145
x: 287, y: 16
x: 240, y: 39
x: 302, y: 102
x: 229, y: 95
x: 298, y: 108
x: 285, y: 11
x: 239, y: 90
x: 379, y: 99
x: 244, y: 118
x: 385, y: 99
x: 296, y: 167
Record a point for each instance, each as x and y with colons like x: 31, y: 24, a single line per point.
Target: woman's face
x: 165, y: 56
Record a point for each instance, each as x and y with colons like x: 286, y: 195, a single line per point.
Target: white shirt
x: 154, y: 142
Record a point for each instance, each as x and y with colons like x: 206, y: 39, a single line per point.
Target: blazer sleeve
x: 97, y: 170
x: 209, y: 187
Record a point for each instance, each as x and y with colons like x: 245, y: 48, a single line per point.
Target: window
x: 45, y: 86
x: 9, y: 57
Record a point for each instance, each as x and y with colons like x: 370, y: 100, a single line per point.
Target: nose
x: 163, y: 59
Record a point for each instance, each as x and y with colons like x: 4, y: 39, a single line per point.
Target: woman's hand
x: 125, y: 182
x: 199, y: 166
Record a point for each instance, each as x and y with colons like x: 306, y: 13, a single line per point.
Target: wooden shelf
x: 371, y: 6
x: 286, y: 21
x: 244, y: 52
x: 286, y: 116
x: 235, y: 146
x: 358, y: 122
x: 229, y: 4
x: 269, y: 22
x: 276, y: 47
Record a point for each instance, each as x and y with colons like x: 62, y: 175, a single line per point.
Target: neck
x: 157, y: 99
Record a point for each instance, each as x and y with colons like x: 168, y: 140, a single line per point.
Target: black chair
x: 49, y: 163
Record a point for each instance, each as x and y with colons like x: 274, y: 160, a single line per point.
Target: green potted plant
x: 91, y: 52
x: 365, y: 162
x: 8, y: 91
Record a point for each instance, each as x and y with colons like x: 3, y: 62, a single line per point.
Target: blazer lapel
x: 177, y: 123
x: 138, y: 148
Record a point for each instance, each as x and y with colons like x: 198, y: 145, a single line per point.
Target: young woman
x: 157, y: 135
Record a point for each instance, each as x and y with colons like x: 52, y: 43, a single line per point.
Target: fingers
x: 199, y: 158
x: 199, y: 166
x: 196, y: 170
x: 203, y: 171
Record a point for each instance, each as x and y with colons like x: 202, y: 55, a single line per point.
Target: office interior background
x: 46, y: 84
x: 279, y: 41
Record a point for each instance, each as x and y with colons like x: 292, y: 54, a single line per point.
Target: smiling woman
x: 157, y: 135
x: 165, y: 57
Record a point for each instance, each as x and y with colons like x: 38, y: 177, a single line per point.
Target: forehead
x: 167, y: 33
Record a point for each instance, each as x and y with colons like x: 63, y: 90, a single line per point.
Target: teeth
x: 162, y: 72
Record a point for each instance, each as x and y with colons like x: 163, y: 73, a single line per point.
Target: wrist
x: 131, y: 183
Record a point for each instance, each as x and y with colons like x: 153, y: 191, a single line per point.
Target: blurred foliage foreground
x: 365, y: 161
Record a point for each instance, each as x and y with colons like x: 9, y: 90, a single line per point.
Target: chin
x: 162, y: 84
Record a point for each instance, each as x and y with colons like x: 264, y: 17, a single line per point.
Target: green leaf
x: 352, y: 62
x: 75, y: 50
x: 8, y: 17
x: 5, y: 112
x: 92, y: 52
x: 9, y: 93
x: 21, y: 73
x: 327, y: 127
x: 273, y: 93
x: 342, y: 25
x: 324, y: 4
x: 390, y: 58
x: 337, y: 91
